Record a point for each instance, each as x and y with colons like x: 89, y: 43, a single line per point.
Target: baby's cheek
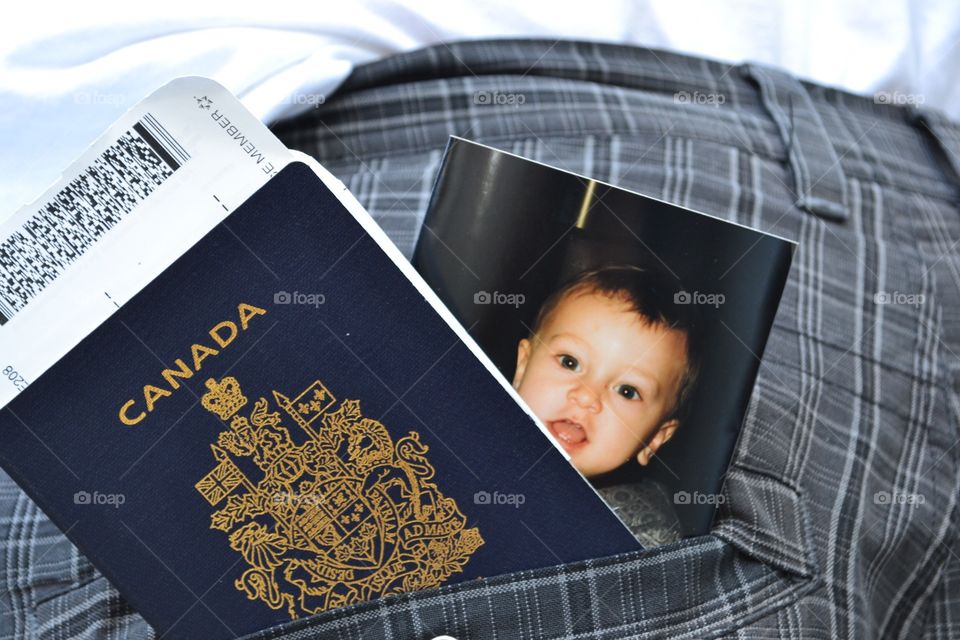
x: 534, y: 397
x: 635, y: 425
x: 541, y: 389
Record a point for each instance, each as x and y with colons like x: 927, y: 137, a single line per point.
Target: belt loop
x: 944, y: 133
x: 818, y: 178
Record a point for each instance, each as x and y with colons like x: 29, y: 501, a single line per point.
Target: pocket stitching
x: 786, y: 583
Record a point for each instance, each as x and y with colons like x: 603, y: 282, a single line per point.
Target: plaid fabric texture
x: 841, y: 515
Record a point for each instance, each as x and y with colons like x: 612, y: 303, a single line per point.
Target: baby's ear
x: 664, y: 433
x: 523, y: 355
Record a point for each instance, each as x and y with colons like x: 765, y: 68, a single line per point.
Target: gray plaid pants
x: 841, y: 515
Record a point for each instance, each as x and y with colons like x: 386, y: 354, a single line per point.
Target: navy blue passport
x: 281, y: 424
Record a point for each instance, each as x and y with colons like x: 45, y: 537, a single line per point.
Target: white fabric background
x: 68, y: 71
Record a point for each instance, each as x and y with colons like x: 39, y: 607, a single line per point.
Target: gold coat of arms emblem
x: 338, y: 514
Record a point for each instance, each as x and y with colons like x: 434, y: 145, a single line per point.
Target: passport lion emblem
x: 340, y: 516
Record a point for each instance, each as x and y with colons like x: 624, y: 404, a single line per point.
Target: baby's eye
x: 629, y: 392
x: 569, y: 362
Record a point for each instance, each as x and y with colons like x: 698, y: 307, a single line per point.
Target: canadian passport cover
x: 280, y: 424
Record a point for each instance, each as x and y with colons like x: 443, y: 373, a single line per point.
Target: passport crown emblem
x: 223, y: 398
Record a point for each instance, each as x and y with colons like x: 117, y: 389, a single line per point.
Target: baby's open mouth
x: 570, y: 434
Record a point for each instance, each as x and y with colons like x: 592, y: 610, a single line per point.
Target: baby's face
x: 602, y: 381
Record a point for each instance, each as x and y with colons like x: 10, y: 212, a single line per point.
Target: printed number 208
x: 18, y: 380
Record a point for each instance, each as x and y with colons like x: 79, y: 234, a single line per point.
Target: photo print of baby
x: 631, y: 327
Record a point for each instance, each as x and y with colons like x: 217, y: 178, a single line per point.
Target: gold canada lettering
x: 219, y: 337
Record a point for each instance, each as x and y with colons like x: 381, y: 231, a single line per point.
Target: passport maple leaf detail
x: 339, y: 512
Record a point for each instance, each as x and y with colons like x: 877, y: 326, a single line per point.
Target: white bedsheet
x: 67, y: 72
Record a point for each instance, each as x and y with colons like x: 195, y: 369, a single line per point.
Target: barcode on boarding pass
x: 63, y: 228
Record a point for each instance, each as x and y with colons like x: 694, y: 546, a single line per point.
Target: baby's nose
x: 585, y: 397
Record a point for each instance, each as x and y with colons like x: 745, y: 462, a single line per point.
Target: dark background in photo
x: 502, y: 233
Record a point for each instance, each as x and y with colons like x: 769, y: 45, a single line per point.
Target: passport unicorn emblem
x: 340, y: 513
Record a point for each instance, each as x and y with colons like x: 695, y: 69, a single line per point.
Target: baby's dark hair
x: 651, y: 294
